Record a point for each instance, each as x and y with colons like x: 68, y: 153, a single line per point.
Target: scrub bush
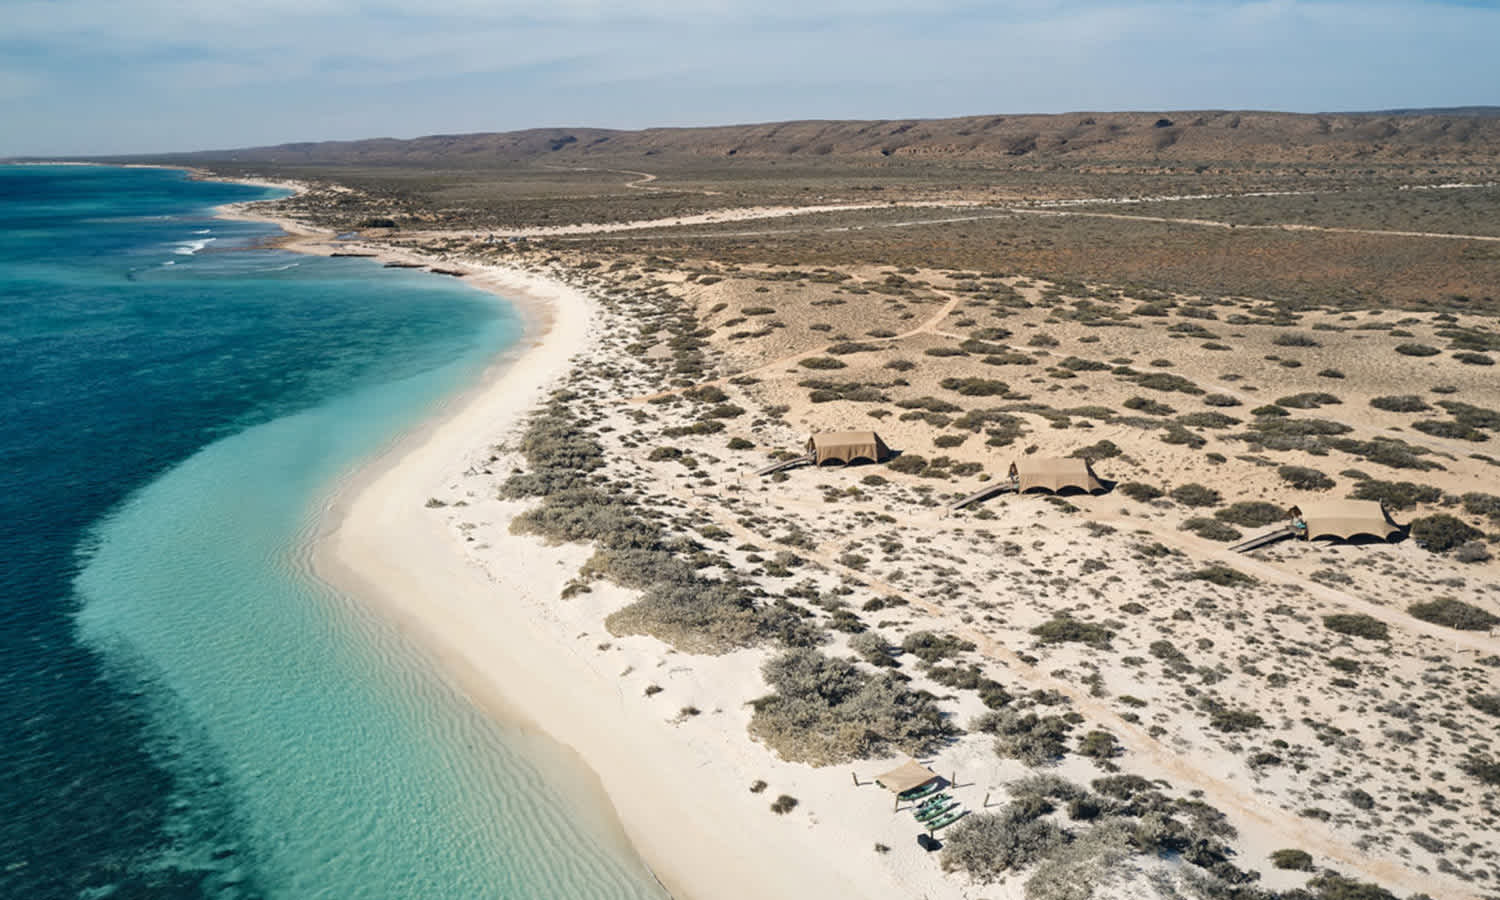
x: 824, y: 710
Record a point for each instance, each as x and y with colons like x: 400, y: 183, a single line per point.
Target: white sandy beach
x: 685, y: 808
x: 490, y: 616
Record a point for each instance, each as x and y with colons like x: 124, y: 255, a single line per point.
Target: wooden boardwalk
x: 787, y: 464
x: 993, y: 490
x: 1260, y: 540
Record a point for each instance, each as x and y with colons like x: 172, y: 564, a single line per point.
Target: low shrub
x: 1472, y: 552
x: 1308, y: 400
x: 931, y: 647
x: 1222, y: 575
x: 985, y: 846
x: 822, y: 362
x: 824, y: 710
x: 1163, y: 381
x: 1026, y: 736
x: 1485, y: 769
x: 1304, y: 478
x: 1212, y: 529
x: 1400, y: 403
x: 1140, y: 492
x: 1414, y: 349
x: 1064, y: 629
x: 1454, y: 613
x: 1480, y: 504
x: 784, y: 804
x: 1396, y: 494
x: 1105, y: 449
x: 1207, y: 419
x: 1295, y: 339
x: 1099, y: 745
x: 1193, y: 494
x: 1178, y: 435
x: 908, y: 464
x: 976, y: 387
x: 1252, y: 513
x: 1489, y: 704
x: 1149, y: 407
x: 1357, y: 625
x: 1441, y: 532
x: 1293, y: 860
x: 1222, y: 400
x: 1472, y: 416
x: 1474, y: 359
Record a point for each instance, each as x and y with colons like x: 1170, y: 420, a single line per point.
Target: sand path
x: 927, y: 327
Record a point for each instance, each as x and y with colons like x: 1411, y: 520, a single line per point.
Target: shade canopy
x: 1345, y: 519
x: 847, y: 446
x: 1053, y: 473
x: 905, y: 777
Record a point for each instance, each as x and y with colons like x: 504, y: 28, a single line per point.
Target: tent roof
x: 843, y: 438
x: 1345, y: 519
x: 908, y: 775
x: 847, y: 446
x: 1054, y: 473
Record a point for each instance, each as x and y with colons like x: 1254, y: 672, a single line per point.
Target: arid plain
x: 1227, y: 315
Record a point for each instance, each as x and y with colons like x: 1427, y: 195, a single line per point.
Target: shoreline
x: 489, y: 633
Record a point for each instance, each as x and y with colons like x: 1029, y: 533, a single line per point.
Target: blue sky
x: 124, y: 76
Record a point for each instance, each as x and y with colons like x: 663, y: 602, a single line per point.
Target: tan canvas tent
x: 905, y: 777
x: 1345, y: 519
x: 1053, y: 473
x: 847, y: 446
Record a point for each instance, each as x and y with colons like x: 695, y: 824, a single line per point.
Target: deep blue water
x: 183, y: 711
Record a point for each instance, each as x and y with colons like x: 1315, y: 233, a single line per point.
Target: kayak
x: 918, y: 793
x: 936, y: 812
x: 932, y: 802
x: 946, y: 819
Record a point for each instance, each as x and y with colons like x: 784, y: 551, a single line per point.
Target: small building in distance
x: 1055, y: 474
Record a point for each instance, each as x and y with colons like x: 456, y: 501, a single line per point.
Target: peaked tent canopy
x: 847, y: 446
x: 1053, y: 473
x: 1345, y: 519
x: 905, y: 777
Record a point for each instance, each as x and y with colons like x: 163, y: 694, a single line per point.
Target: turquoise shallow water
x: 203, y: 717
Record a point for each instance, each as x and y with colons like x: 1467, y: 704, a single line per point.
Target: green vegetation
x: 824, y: 710
x: 1292, y: 860
x: 1454, y: 613
x: 1357, y: 625
x: 1139, y: 492
x: 1441, y: 532
x: 1063, y: 629
x: 1305, y: 478
x: 1193, y: 494
x: 1252, y: 513
x: 987, y: 845
x: 1211, y: 529
x: 1396, y: 494
x: 1414, y: 349
x: 1403, y: 403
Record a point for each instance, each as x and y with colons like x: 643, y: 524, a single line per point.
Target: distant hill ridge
x: 1469, y: 134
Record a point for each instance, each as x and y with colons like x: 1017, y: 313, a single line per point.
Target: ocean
x: 184, y: 711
